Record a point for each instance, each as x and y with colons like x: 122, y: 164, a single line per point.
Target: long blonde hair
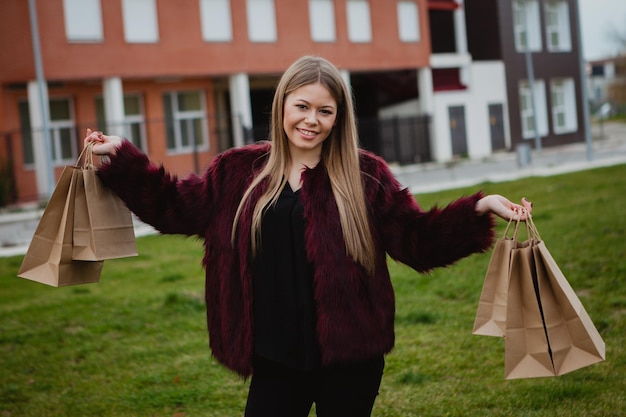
x: 340, y: 156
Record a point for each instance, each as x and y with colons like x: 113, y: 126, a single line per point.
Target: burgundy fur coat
x: 355, y: 312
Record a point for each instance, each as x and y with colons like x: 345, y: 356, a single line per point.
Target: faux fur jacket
x: 355, y: 312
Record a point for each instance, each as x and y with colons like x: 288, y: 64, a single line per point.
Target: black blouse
x: 284, y: 307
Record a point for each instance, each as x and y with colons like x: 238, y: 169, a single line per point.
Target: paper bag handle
x: 87, y: 152
x: 531, y: 229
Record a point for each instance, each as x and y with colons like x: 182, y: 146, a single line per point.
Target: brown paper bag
x: 491, y: 313
x: 49, y: 256
x: 527, y: 351
x: 548, y: 331
x: 574, y: 340
x: 103, y: 225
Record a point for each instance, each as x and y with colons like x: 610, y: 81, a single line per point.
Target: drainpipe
x: 46, y: 178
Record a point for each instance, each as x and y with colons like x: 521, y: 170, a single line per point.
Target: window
x: 140, y: 21
x: 261, y: 20
x: 526, y: 25
x: 359, y: 22
x: 83, y: 20
x: 557, y: 27
x: 185, y: 121
x: 408, y: 21
x: 322, y: 20
x: 64, y: 149
x: 27, y: 139
x: 530, y: 122
x: 563, y: 106
x: 62, y: 133
x: 216, y: 20
x: 134, y: 125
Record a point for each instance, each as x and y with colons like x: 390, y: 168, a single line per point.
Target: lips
x: 307, y: 133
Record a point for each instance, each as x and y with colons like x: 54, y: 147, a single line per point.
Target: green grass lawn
x: 135, y: 344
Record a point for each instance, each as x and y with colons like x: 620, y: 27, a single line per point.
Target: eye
x: 301, y: 106
x: 326, y: 112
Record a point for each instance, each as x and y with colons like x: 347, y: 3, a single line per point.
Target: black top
x: 284, y: 307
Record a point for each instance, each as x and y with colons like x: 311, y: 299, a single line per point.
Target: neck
x: 301, y: 159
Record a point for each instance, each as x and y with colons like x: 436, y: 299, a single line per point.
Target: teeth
x: 307, y: 132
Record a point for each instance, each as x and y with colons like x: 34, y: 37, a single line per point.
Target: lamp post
x: 531, y: 77
x: 583, y: 87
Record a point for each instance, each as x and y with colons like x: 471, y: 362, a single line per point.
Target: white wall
x: 487, y: 86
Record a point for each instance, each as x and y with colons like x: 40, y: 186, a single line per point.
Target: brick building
x: 186, y: 79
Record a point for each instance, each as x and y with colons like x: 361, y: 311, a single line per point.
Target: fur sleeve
x: 156, y: 196
x: 423, y: 239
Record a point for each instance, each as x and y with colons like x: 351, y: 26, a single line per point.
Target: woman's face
x: 309, y: 115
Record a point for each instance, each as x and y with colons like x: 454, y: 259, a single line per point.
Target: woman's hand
x: 502, y: 207
x: 103, y: 144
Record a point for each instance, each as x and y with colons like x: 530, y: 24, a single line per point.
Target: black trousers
x: 337, y: 391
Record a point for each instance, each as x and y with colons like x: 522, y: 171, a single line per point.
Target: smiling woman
x: 309, y: 117
x: 296, y: 233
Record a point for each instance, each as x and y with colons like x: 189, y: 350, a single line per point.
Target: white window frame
x: 83, y: 20
x: 179, y: 117
x: 216, y: 20
x: 359, y: 21
x: 558, y: 37
x: 527, y: 25
x: 322, y: 20
x: 57, y: 128
x: 563, y: 94
x: 530, y: 121
x: 130, y: 120
x: 408, y: 21
x: 138, y: 120
x: 141, y: 22
x: 261, y: 17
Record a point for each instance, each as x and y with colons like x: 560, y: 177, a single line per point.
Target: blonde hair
x: 340, y: 155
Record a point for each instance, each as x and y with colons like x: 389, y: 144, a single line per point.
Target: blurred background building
x: 433, y: 80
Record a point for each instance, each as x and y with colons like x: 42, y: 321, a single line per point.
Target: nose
x: 311, y: 117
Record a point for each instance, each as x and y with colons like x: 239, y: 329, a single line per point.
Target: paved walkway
x: 608, y: 148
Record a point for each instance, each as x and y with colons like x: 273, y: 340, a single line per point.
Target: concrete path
x: 608, y: 148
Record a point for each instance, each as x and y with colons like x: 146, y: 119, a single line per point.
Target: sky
x: 597, y: 18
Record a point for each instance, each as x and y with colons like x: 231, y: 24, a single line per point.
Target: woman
x: 296, y: 233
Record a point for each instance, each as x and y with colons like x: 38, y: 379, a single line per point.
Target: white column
x: 42, y: 148
x: 425, y: 87
x: 345, y: 74
x: 113, y: 94
x: 240, y: 107
x: 427, y: 105
x: 460, y: 32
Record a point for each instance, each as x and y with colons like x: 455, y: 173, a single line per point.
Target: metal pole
x: 34, y: 27
x: 583, y: 89
x: 531, y: 78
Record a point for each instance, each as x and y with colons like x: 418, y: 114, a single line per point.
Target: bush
x: 8, y: 193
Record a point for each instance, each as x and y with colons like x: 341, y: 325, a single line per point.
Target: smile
x: 307, y: 132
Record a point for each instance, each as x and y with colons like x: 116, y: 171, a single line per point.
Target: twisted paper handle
x: 87, y: 152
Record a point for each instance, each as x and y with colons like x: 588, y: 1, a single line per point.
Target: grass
x: 135, y: 344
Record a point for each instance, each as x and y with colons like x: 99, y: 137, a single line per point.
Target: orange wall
x: 83, y: 95
x: 76, y: 69
x: 181, y: 50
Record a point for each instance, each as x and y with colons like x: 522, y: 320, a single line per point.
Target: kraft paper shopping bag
x: 527, y: 350
x: 548, y: 332
x: 491, y: 312
x: 574, y: 341
x: 103, y: 225
x: 49, y: 256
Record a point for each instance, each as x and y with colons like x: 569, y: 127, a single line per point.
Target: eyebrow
x: 324, y: 106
